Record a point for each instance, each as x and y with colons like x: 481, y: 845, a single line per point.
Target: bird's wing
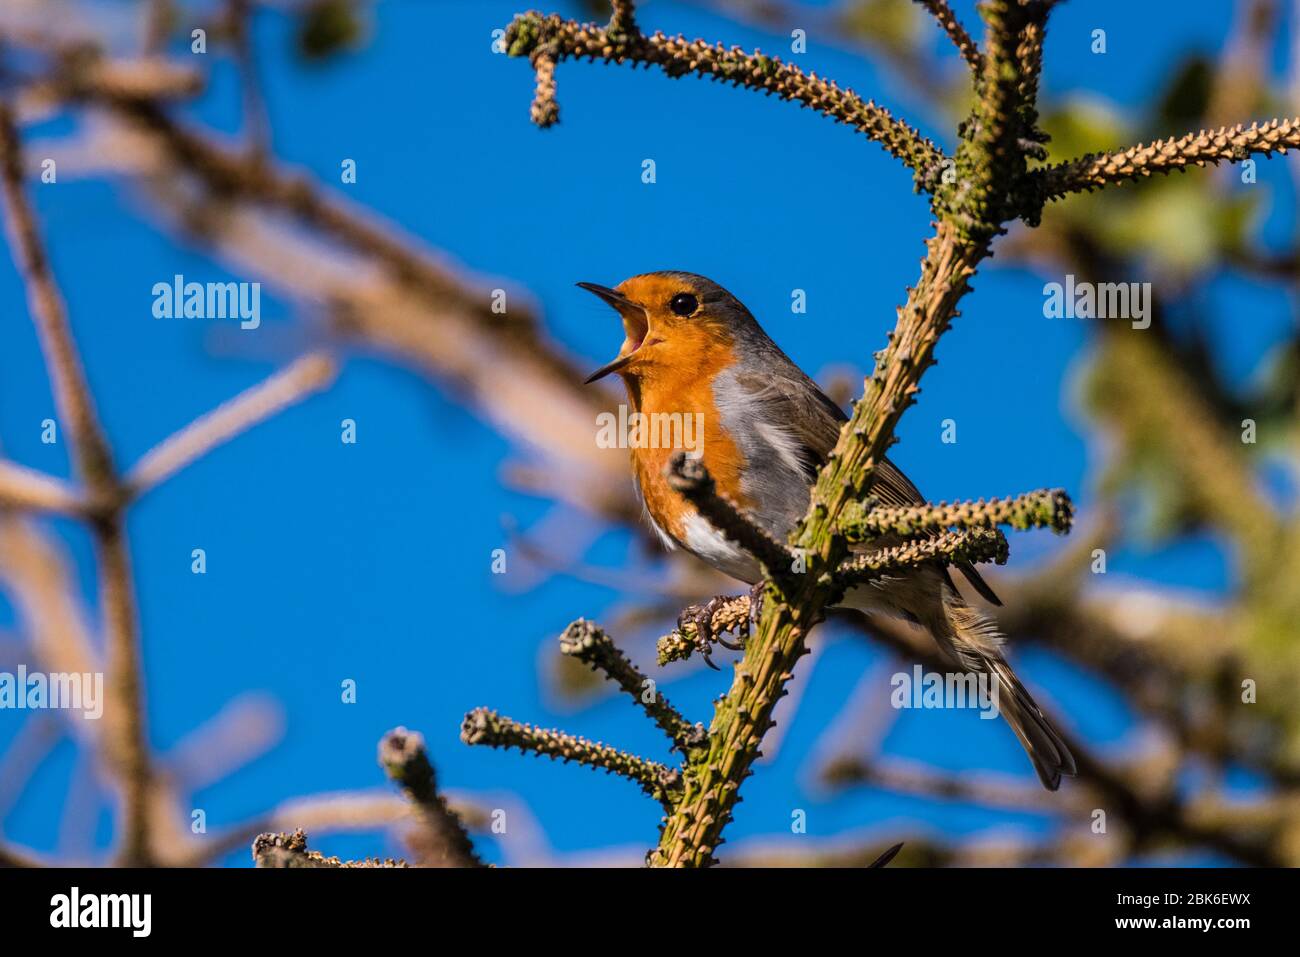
x: 813, y: 420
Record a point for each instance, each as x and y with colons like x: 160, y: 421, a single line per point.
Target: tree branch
x: 906, y: 778
x: 403, y: 757
x: 26, y: 489
x: 591, y: 645
x: 991, y: 167
x: 1044, y: 508
x: 1203, y: 148
x: 291, y: 385
x: 547, y: 40
x: 976, y: 546
x: 688, y: 476
x: 126, y: 748
x: 967, y: 47
x: 290, y: 850
x: 485, y: 726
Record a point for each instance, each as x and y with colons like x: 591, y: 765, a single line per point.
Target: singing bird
x: 692, y: 347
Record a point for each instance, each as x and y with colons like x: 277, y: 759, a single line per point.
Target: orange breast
x: 685, y: 389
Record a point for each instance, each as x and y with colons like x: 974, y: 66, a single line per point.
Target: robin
x: 692, y: 349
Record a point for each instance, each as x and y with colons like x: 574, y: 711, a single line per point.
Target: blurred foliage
x: 1183, y: 104
x: 895, y: 26
x: 329, y: 27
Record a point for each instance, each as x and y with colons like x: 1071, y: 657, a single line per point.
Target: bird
x: 692, y: 348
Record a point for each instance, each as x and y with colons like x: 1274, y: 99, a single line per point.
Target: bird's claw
x: 745, y: 626
x: 699, y: 618
x: 729, y: 644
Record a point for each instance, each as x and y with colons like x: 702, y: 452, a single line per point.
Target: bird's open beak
x: 635, y: 327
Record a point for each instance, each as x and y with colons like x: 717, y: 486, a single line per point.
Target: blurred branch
x: 127, y: 750
x: 904, y: 778
x: 30, y: 745
x: 400, y: 299
x: 1153, y: 810
x: 291, y: 385
x: 257, y: 122
x: 12, y: 857
x: 25, y: 489
x: 85, y: 72
x: 345, y: 811
x: 45, y: 302
x: 403, y: 757
x: 290, y: 850
x: 917, y: 851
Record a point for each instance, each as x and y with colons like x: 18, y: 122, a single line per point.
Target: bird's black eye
x: 683, y: 304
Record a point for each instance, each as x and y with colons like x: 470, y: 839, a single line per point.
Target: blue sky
x: 328, y: 561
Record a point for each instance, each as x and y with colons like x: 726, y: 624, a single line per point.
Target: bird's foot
x: 707, y: 622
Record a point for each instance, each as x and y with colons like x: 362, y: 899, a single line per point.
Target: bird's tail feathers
x: 975, y: 640
x: 1042, y: 742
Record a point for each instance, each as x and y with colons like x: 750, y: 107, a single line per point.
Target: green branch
x: 969, y: 50
x: 485, y: 726
x: 1045, y: 508
x: 1203, y: 148
x: 589, y: 644
x: 547, y: 40
x: 975, y: 546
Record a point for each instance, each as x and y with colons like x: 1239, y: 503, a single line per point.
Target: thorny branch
x: 548, y: 40
x: 1047, y: 508
x: 688, y: 476
x: 485, y: 726
x: 589, y: 644
x: 444, y: 844
x: 290, y: 850
x: 1203, y: 148
x: 966, y: 46
x: 975, y: 546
